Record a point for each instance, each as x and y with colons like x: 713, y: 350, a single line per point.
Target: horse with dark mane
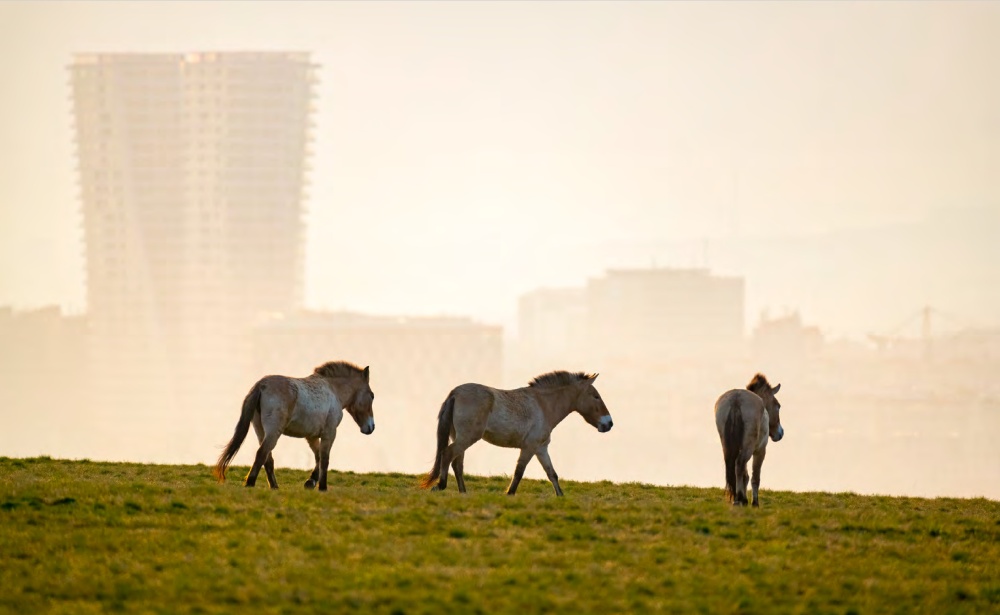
x: 519, y: 418
x: 310, y: 408
x: 745, y: 418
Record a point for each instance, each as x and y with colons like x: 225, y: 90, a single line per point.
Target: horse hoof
x: 756, y: 505
x: 310, y: 484
x: 322, y: 487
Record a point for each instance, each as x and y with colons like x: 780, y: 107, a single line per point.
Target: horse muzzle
x: 605, y: 424
x: 368, y: 427
x: 781, y: 434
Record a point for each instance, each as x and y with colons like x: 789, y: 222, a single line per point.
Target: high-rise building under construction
x: 192, y: 174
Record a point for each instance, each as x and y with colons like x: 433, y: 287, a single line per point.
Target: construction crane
x: 925, y: 314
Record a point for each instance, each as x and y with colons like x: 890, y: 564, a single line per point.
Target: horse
x: 310, y: 408
x: 745, y: 418
x: 519, y: 418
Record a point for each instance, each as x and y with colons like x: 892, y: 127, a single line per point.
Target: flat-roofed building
x: 664, y: 314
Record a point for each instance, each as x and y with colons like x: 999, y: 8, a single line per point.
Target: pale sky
x: 468, y: 152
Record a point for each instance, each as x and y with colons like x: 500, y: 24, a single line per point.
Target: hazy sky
x: 465, y: 152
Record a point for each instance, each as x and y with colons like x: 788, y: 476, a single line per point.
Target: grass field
x: 99, y: 537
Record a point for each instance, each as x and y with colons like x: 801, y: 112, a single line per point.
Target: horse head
x: 360, y: 404
x: 767, y: 393
x: 591, y: 406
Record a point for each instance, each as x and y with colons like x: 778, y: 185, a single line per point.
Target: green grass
x: 103, y: 537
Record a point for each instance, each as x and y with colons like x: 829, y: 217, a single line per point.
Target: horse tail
x: 731, y: 443
x: 251, y: 405
x: 445, y: 417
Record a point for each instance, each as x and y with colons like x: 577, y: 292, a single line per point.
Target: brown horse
x: 310, y: 408
x: 744, y: 419
x: 520, y: 418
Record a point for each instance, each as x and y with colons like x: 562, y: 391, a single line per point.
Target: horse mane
x: 338, y: 369
x: 759, y: 384
x: 558, y: 378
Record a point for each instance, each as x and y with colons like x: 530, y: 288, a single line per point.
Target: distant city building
x: 192, y: 173
x: 665, y: 314
x: 786, y: 338
x: 552, y: 322
x: 44, y: 376
x: 630, y: 316
x: 415, y: 361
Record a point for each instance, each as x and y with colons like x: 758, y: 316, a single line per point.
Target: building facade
x: 665, y: 314
x: 641, y: 317
x: 552, y: 323
x: 192, y: 176
x: 44, y: 376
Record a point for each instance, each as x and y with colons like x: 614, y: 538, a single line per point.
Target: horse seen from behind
x: 745, y: 418
x: 520, y: 418
x: 310, y: 408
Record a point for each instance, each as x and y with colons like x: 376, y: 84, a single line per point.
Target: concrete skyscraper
x: 192, y: 173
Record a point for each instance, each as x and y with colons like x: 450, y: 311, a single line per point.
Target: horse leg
x: 272, y: 481
x: 447, y: 455
x: 266, y: 446
x: 324, y: 458
x: 543, y: 458
x: 522, y: 462
x: 458, y: 464
x: 758, y: 461
x: 454, y: 452
x: 314, y: 477
x: 258, y: 427
x: 740, y: 497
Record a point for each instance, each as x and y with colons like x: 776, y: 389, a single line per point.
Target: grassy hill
x: 100, y: 537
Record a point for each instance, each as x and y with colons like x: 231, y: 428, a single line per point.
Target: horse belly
x: 302, y: 429
x: 309, y: 424
x: 502, y: 430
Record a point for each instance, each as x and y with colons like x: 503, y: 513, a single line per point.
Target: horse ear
x: 774, y: 391
x: 367, y: 373
x: 592, y: 378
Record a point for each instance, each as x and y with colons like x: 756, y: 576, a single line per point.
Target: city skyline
x: 673, y: 164
x: 674, y: 195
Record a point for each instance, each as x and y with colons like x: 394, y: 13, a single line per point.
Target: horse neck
x: 555, y: 404
x: 341, y: 388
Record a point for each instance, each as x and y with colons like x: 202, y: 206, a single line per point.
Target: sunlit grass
x: 96, y: 537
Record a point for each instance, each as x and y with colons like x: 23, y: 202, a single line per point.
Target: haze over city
x: 492, y: 168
